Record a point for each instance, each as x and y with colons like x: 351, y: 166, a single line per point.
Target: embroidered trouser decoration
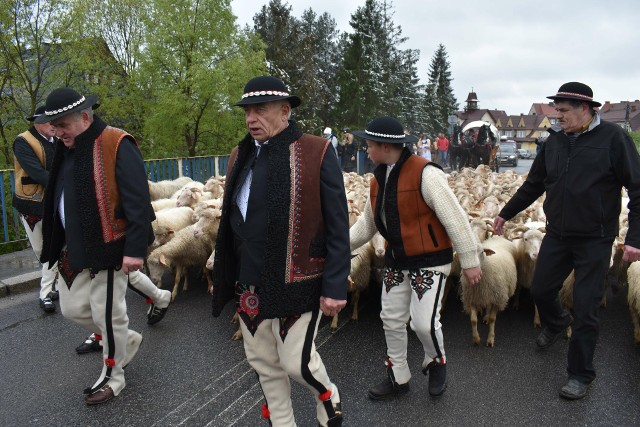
x: 248, y: 307
x: 392, y: 278
x: 31, y: 220
x: 65, y: 270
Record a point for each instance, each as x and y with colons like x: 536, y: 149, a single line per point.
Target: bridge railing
x: 197, y: 168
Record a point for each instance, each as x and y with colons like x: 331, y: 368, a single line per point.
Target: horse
x: 484, y: 145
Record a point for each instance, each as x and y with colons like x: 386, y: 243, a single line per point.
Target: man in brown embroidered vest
x: 283, y: 249
x: 412, y: 206
x: 97, y: 225
x: 33, y: 155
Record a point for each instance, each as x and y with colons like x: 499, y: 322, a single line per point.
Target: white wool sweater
x: 439, y: 197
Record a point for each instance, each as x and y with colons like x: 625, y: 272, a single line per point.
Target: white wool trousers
x: 35, y: 239
x: 276, y: 360
x: 141, y: 284
x: 415, y: 294
x: 98, y: 304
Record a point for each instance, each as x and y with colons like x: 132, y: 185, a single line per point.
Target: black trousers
x: 589, y: 257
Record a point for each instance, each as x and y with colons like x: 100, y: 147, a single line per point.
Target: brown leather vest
x: 416, y: 237
x: 33, y: 191
x: 105, y: 151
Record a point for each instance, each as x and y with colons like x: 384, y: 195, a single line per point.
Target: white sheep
x: 633, y: 298
x: 162, y: 204
x: 498, y: 283
x: 168, y: 222
x: 208, y: 223
x: 181, y: 252
x: 191, y: 196
x: 527, y: 242
x: 359, y: 278
x: 164, y: 189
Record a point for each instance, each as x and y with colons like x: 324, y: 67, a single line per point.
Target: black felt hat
x: 385, y: 129
x: 39, y: 110
x: 575, y: 90
x: 65, y: 101
x: 266, y: 89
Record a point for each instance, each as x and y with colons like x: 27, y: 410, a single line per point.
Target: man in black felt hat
x: 33, y: 156
x: 97, y: 225
x: 411, y: 205
x: 283, y: 250
x: 582, y: 166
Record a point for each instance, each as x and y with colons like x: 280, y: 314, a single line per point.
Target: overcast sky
x: 511, y: 52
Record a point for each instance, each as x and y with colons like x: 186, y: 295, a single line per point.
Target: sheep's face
x: 532, y: 240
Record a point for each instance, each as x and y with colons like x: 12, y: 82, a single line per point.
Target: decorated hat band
x: 264, y: 92
x: 67, y: 108
x: 384, y: 135
x: 573, y: 94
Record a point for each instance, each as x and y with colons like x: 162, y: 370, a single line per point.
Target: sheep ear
x: 488, y: 252
x: 163, y: 260
x: 542, y: 229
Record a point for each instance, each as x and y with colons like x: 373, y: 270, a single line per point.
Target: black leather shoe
x: 547, y: 338
x: 89, y: 345
x: 574, y: 389
x: 156, y: 314
x: 437, y: 378
x: 54, y: 295
x: 336, y: 421
x: 103, y: 395
x: 47, y: 305
x: 388, y: 389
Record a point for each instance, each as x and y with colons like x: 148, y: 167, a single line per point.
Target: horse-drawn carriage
x: 470, y: 148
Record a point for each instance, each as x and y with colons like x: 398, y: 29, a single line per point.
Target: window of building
x: 521, y: 134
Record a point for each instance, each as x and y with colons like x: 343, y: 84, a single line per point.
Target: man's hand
x: 473, y: 275
x: 130, y: 264
x: 498, y: 225
x: 630, y: 254
x: 331, y: 307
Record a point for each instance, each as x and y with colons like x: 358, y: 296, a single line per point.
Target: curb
x: 18, y: 284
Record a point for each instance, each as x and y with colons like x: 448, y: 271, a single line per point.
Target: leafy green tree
x: 103, y: 58
x: 439, y: 93
x: 28, y: 57
x: 197, y: 62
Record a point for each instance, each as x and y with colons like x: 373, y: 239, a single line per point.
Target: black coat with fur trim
x: 277, y: 297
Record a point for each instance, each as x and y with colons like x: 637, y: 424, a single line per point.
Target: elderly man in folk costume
x: 97, y: 225
x: 33, y: 155
x: 283, y: 249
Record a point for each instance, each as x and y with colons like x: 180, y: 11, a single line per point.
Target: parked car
x: 508, y: 154
x: 524, y: 154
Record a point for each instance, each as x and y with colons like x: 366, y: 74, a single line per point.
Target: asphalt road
x: 188, y: 371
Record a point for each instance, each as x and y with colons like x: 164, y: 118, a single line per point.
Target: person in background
x: 283, y: 250
x: 411, y: 205
x: 443, y: 149
x: 350, y: 152
x: 33, y: 156
x: 328, y: 134
x: 582, y: 167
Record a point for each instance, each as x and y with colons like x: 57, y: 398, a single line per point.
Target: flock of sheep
x: 188, y: 215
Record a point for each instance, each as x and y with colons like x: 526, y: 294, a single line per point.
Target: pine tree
x: 304, y: 54
x: 377, y: 77
x: 440, y: 100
